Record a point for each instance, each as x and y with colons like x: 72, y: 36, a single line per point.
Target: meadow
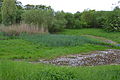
x: 49, y: 46
x: 115, y: 36
x: 26, y: 71
x: 40, y: 43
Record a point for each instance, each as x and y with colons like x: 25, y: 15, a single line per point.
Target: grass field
x: 34, y: 47
x: 21, y: 49
x: 26, y: 71
x: 115, y: 36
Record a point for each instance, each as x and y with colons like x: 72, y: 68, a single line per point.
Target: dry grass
x: 22, y: 28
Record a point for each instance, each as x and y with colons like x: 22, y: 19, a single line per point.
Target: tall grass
x: 21, y: 49
x: 22, y: 28
x: 58, y: 40
x: 25, y: 71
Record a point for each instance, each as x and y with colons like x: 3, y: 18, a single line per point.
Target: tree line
x: 13, y: 12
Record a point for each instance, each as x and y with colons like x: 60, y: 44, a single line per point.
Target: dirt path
x: 102, y: 39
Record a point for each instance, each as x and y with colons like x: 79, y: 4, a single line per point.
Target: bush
x: 112, y: 23
x: 59, y: 22
x: 88, y: 19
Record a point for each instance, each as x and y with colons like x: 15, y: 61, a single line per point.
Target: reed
x: 22, y: 28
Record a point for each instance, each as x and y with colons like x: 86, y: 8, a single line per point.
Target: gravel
x: 107, y: 57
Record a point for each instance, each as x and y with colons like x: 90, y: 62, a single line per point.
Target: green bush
x: 88, y: 19
x: 58, y: 23
x: 112, y: 21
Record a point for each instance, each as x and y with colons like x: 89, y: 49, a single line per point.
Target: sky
x: 74, y: 5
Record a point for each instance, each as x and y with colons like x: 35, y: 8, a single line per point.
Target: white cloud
x: 74, y: 5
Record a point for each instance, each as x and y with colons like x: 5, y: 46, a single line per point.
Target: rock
x: 111, y: 56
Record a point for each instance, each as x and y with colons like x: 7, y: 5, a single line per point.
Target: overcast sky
x: 74, y: 5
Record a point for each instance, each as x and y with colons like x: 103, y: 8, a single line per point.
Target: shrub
x: 59, y: 22
x: 112, y: 21
x: 88, y: 19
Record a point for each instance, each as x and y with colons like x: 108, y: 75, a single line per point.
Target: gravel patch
x: 107, y: 57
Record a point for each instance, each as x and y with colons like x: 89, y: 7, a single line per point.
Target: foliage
x: 19, y: 12
x: 70, y: 20
x: 47, y: 19
x: 73, y: 21
x: 8, y: 12
x: 112, y: 22
x: 88, y: 18
x: 100, y: 18
x: 19, y: 16
x: 41, y: 18
x: 19, y: 4
x: 1, y: 1
x: 38, y: 7
x: 58, y: 23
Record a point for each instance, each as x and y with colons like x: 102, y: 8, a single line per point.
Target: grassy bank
x: 115, y: 36
x: 47, y: 46
x: 22, y: 49
x: 34, y: 47
x: 25, y: 71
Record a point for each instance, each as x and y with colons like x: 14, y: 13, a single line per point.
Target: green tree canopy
x: 9, y: 12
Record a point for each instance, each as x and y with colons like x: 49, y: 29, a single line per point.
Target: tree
x: 28, y: 7
x: 77, y: 22
x: 8, y: 12
x: 59, y: 22
x: 38, y: 7
x: 112, y: 22
x: 70, y: 20
x: 88, y: 18
x: 100, y: 18
x: 19, y: 11
x: 1, y: 1
x: 19, y: 4
x: 40, y: 18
